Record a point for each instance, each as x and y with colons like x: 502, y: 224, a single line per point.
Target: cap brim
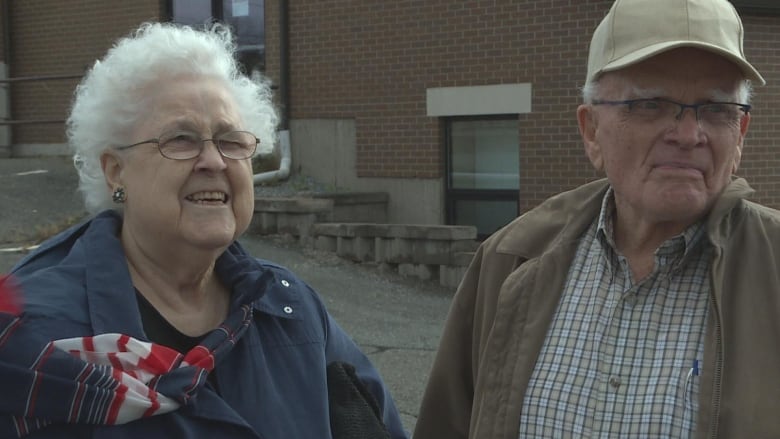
x: 640, y: 55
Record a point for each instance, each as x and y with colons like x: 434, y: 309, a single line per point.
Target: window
x: 482, y: 175
x: 245, y: 17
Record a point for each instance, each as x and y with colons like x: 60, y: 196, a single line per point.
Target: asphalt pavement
x: 396, y: 321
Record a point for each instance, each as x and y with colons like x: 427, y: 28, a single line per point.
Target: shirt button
x: 615, y: 382
x: 285, y: 283
x: 288, y: 310
x: 631, y: 300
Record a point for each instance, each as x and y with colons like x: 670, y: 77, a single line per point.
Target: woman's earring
x: 119, y: 196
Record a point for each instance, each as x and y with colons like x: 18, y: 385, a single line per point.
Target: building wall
x: 60, y: 38
x: 325, y: 150
x: 369, y: 63
x: 372, y: 62
x: 761, y: 156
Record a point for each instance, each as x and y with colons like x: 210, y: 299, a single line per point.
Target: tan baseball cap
x: 635, y: 30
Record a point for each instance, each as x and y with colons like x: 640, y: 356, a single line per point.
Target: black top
x: 160, y: 331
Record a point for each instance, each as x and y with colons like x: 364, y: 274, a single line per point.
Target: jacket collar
x: 107, y: 279
x: 718, y: 223
x: 559, y: 219
x: 564, y: 217
x: 269, y: 288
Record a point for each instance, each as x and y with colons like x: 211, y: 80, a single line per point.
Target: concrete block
x: 406, y: 270
x: 325, y: 243
x: 263, y: 223
x: 464, y: 246
x: 345, y: 248
x: 399, y: 251
x: 450, y: 276
x: 432, y: 252
x: 293, y: 204
x: 298, y: 224
x: 387, y: 268
x: 354, y: 207
x: 432, y: 232
x: 355, y: 249
x: 420, y: 271
x: 364, y: 248
x: 380, y: 249
x: 462, y: 259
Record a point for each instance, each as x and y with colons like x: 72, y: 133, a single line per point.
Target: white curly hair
x: 109, y: 101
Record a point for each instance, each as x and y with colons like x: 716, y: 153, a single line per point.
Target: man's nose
x: 687, y: 130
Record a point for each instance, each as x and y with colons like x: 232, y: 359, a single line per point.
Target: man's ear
x: 112, y: 165
x: 588, y: 123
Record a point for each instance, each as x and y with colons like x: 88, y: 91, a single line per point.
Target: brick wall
x: 372, y: 60
x: 62, y: 38
x: 761, y: 156
x: 272, y: 42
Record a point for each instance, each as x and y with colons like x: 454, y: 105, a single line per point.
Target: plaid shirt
x: 619, y: 357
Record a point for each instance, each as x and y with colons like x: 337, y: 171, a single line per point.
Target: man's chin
x: 682, y: 208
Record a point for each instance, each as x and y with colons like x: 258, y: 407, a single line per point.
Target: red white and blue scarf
x: 106, y: 379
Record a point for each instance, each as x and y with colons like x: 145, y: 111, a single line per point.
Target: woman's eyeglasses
x: 185, y: 145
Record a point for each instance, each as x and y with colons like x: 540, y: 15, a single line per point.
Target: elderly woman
x: 150, y: 320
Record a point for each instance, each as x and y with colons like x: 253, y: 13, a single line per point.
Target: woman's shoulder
x: 287, y: 292
x: 271, y: 288
x: 60, y: 247
x: 54, y: 277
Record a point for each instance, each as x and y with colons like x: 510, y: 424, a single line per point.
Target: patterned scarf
x: 106, y: 379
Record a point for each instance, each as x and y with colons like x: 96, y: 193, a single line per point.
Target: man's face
x: 669, y: 170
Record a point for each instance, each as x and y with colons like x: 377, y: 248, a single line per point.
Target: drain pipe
x: 284, y: 100
x: 284, y: 164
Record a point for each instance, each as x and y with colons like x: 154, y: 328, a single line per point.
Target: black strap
x: 354, y: 412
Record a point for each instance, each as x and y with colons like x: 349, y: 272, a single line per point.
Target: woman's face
x: 204, y: 202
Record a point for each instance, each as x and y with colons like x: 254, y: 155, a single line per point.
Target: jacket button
x: 288, y: 310
x: 285, y: 283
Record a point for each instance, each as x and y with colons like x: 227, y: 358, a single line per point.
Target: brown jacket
x: 505, y: 303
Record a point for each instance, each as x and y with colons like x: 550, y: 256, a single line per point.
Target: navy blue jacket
x: 272, y: 384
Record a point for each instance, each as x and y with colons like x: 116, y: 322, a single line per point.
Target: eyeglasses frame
x: 213, y: 140
x: 695, y: 107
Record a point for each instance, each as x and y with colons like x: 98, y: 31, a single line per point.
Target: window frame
x: 451, y: 194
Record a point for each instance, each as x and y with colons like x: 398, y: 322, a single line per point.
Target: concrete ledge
x: 451, y: 275
x: 407, y: 231
x: 346, y: 198
x: 370, y: 207
x: 293, y: 216
x: 427, y: 252
x: 293, y: 205
x: 360, y: 207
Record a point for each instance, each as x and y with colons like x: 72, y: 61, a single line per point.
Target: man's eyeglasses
x: 710, y: 113
x: 185, y: 145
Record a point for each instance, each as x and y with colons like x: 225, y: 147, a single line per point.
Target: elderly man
x: 646, y: 304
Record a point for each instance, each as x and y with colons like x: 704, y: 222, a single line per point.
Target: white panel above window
x: 479, y: 100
